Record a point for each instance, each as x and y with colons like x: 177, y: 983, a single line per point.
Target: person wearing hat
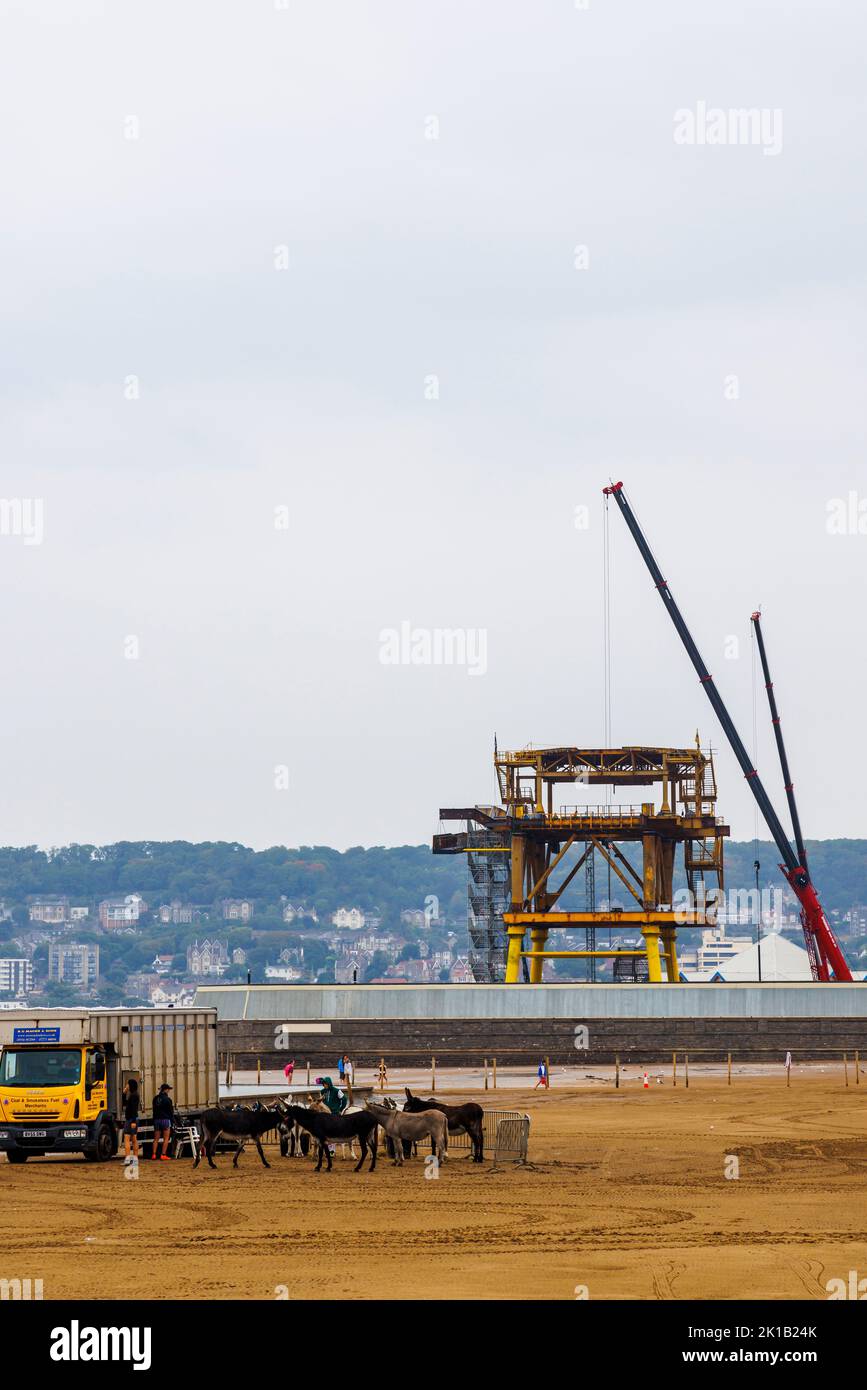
x: 164, y: 1114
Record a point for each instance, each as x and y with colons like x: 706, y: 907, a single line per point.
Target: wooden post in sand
x: 258, y: 1071
x: 686, y: 1070
x: 674, y: 1068
x: 433, y: 1076
x: 495, y: 1073
x: 547, y: 1073
x: 486, y: 1073
x: 308, y: 1073
x: 730, y: 1068
x: 617, y: 1071
x: 846, y: 1067
x: 857, y: 1069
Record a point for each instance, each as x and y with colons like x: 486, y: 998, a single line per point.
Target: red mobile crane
x: 822, y: 945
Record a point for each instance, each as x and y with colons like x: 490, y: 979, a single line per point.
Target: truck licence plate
x: 35, y: 1134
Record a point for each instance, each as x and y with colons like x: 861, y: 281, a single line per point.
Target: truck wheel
x: 103, y: 1149
x: 16, y: 1156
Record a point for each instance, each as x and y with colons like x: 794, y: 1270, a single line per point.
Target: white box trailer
x: 62, y: 1073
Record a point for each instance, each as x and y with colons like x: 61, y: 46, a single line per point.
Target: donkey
x: 241, y: 1124
x: 328, y: 1127
x: 294, y: 1141
x: 322, y: 1108
x: 467, y: 1118
x: 410, y: 1148
x: 399, y: 1126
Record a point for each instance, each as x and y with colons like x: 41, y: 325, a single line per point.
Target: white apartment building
x: 715, y: 949
x: 16, y: 976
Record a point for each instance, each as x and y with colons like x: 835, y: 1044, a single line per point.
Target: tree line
x: 385, y: 879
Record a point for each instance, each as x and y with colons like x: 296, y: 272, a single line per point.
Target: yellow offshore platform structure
x: 515, y: 852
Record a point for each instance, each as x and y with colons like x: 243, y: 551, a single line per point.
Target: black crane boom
x: 765, y: 806
x: 822, y: 946
x: 778, y: 735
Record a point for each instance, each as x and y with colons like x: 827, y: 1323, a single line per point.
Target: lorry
x: 63, y: 1071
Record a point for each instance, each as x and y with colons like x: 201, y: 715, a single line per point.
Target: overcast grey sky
x: 707, y: 346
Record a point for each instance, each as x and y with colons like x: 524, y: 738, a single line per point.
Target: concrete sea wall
x: 461, y: 1024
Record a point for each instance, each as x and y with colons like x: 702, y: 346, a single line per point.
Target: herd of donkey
x: 300, y: 1125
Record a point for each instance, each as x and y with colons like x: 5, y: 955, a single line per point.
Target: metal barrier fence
x: 489, y: 1129
x: 513, y: 1139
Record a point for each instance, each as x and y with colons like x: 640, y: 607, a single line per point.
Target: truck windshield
x: 31, y: 1067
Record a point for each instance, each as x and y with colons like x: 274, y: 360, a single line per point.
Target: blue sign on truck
x: 36, y: 1035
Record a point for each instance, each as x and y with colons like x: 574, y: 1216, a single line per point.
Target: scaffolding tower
x: 514, y: 849
x: 489, y: 894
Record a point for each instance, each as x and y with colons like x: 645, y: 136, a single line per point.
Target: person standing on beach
x: 131, y: 1103
x: 164, y: 1114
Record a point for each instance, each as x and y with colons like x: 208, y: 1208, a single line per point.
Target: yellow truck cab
x: 62, y: 1074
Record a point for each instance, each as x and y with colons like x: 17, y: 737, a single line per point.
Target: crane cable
x: 606, y: 663
x: 606, y: 635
